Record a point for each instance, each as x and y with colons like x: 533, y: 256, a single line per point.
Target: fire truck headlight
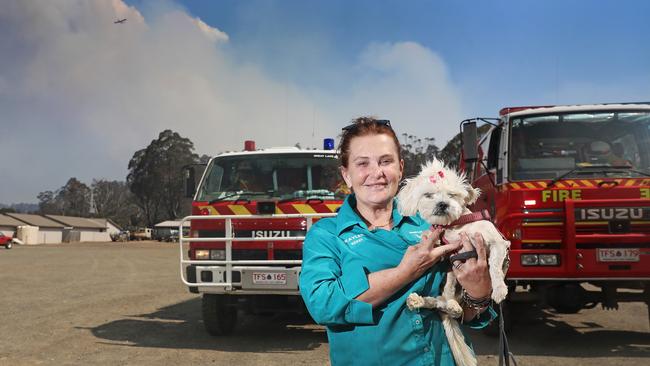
x: 217, y: 254
x: 202, y: 254
x: 549, y: 260
x: 529, y: 260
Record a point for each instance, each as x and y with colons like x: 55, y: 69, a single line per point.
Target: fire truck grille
x: 249, y: 254
x: 617, y: 245
x: 261, y: 254
x: 292, y: 254
x: 605, y: 229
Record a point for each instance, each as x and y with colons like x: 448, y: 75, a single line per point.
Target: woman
x: 359, y: 267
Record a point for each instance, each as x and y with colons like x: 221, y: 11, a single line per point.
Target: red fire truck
x: 569, y: 186
x: 250, y: 213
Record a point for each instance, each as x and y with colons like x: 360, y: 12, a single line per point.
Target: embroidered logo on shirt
x: 417, y: 234
x: 354, y: 239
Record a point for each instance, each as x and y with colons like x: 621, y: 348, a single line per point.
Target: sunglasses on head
x: 378, y: 122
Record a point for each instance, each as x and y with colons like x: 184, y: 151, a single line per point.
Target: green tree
x: 48, y: 204
x: 450, y: 154
x: 114, y: 200
x: 155, y: 176
x: 416, y: 152
x: 204, y: 159
x: 74, y: 198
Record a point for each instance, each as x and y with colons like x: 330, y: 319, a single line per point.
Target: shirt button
x: 417, y: 321
x: 426, y: 349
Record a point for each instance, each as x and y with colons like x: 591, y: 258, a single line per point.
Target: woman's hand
x: 473, y: 274
x: 422, y: 256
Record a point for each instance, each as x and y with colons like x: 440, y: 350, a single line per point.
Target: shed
x: 81, y: 229
x: 9, y: 225
x: 49, y: 231
x: 168, y: 229
x: 112, y: 228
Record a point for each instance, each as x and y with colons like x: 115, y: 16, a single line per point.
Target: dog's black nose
x: 441, y: 206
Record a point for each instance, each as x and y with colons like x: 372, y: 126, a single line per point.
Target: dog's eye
x: 428, y: 195
x: 452, y: 195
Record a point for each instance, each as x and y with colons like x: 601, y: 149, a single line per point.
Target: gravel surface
x: 124, y: 304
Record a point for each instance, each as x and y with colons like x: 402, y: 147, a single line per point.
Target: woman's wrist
x: 476, y: 302
x: 478, y: 294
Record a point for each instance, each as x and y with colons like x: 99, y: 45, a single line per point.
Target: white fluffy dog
x: 441, y: 196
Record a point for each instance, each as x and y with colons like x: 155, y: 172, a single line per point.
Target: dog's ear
x: 472, y: 195
x: 407, y: 198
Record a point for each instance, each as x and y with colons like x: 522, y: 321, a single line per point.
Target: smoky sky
x: 80, y: 94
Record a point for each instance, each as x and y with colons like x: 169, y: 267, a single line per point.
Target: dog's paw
x: 414, y: 301
x: 454, y: 309
x: 499, y: 292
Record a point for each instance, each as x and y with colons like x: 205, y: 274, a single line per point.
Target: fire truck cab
x: 250, y: 213
x: 569, y: 186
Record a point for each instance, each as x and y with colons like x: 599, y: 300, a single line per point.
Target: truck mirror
x: 470, y: 138
x: 190, y: 181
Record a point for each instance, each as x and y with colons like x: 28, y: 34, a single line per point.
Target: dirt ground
x: 124, y: 304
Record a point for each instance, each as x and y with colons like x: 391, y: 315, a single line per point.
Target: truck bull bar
x: 228, y: 238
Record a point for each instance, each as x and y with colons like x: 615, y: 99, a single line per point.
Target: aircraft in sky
x: 119, y: 21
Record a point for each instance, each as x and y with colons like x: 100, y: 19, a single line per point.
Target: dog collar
x: 471, y: 217
x: 464, y: 219
x: 467, y: 218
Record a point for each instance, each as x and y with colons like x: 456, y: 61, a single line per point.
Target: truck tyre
x: 492, y: 329
x: 567, y: 299
x: 219, y: 319
x: 8, y: 245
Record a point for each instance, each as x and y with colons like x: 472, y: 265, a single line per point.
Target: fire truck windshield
x: 550, y: 146
x: 263, y: 176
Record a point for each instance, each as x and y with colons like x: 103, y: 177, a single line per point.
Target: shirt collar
x: 347, y: 216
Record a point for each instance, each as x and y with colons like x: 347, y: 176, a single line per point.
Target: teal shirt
x: 338, y: 255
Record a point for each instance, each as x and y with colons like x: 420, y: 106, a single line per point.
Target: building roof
x: 77, y: 222
x: 10, y: 221
x: 103, y: 222
x: 36, y: 220
x: 172, y: 224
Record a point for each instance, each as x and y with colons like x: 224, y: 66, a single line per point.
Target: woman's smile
x: 376, y: 186
x: 374, y: 171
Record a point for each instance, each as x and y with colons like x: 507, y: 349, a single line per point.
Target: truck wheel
x: 8, y: 245
x: 219, y: 319
x: 567, y: 299
x: 492, y: 330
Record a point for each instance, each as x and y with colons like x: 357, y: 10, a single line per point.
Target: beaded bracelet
x: 476, y: 304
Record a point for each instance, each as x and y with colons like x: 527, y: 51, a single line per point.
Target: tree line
x: 153, y: 189
x: 151, y: 193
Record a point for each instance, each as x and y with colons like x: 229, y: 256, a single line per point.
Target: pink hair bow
x: 432, y: 179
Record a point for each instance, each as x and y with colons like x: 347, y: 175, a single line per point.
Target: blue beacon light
x: 328, y: 144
